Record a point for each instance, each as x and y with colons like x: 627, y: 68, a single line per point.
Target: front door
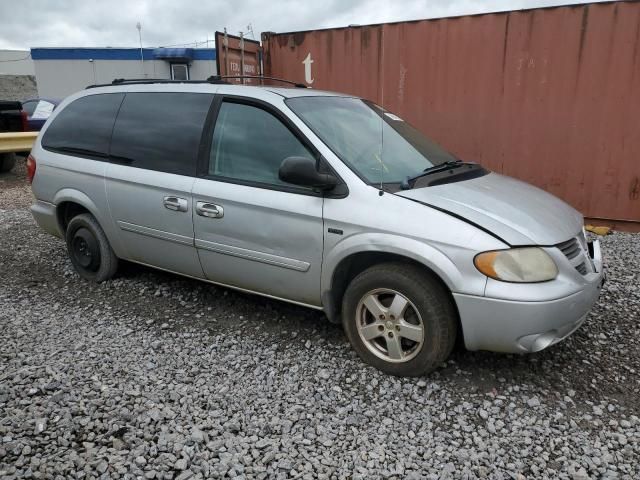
x: 253, y: 231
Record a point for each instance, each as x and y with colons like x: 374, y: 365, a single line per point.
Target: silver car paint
x: 152, y: 233
x: 389, y: 223
x: 278, y: 244
x: 520, y: 320
x: 515, y: 211
x: 268, y: 241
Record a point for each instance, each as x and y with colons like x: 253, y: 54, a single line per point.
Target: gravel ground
x: 155, y: 376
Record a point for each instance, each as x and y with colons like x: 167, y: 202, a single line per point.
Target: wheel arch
x: 80, y: 200
x: 69, y: 203
x: 347, y: 261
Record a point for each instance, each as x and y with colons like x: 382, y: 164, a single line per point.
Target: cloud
x: 90, y: 23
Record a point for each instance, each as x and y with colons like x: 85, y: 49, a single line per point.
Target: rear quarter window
x: 83, y: 128
x: 160, y: 131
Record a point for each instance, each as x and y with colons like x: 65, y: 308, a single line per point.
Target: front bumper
x: 515, y: 326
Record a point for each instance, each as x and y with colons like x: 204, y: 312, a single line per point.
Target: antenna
x: 241, y: 56
x: 225, y: 43
x: 139, y: 27
x: 382, y: 167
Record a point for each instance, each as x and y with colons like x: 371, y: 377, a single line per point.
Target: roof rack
x: 214, y: 79
x: 143, y: 81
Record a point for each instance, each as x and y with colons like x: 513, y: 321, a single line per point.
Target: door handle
x: 176, y: 204
x: 209, y: 210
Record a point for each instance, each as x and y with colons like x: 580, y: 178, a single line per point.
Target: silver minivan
x: 320, y: 199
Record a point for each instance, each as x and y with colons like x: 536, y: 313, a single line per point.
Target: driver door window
x: 249, y: 144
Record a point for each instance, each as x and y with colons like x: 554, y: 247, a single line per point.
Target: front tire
x: 399, y: 319
x: 89, y: 249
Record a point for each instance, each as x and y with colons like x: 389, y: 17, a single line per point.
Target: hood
x: 515, y: 211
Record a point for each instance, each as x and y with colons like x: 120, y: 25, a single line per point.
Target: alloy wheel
x: 390, y: 325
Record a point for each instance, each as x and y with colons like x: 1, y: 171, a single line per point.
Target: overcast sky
x: 90, y: 23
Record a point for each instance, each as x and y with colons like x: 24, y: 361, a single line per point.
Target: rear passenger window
x: 83, y: 127
x: 160, y: 131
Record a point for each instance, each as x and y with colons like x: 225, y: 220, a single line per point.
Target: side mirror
x: 302, y: 171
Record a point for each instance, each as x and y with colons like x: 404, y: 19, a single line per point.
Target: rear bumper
x: 45, y: 216
x: 513, y: 326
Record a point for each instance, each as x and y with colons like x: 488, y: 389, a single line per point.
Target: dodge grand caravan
x: 320, y: 199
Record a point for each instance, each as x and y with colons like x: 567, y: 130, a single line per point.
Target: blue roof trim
x: 204, y: 53
x: 109, y: 53
x: 174, y: 53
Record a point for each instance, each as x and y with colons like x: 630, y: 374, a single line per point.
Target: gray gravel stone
x: 533, y: 402
x: 185, y: 475
x: 133, y: 383
x: 102, y: 466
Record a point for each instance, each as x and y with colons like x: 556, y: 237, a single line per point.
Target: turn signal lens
x: 31, y: 168
x: 520, y: 265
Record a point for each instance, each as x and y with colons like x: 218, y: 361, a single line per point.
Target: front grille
x: 570, y: 248
x: 583, y: 240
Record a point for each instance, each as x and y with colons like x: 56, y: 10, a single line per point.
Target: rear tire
x: 89, y: 249
x: 399, y: 319
x: 7, y: 162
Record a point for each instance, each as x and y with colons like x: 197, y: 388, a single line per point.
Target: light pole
x: 139, y: 27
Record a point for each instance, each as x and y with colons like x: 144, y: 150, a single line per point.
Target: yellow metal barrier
x: 17, y: 141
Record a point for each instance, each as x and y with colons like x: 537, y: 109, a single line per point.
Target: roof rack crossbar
x: 144, y: 81
x: 120, y: 81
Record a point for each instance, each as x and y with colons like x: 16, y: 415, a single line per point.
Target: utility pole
x: 139, y: 27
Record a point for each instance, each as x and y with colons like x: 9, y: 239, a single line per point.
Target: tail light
x: 25, y: 121
x: 31, y: 168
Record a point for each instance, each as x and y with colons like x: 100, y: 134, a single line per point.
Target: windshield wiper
x: 441, y: 167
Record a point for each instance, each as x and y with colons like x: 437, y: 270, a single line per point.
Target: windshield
x: 378, y: 145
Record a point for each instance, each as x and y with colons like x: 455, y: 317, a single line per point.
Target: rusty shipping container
x: 237, y: 56
x: 550, y: 96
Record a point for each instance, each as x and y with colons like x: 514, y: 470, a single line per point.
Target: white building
x: 62, y: 71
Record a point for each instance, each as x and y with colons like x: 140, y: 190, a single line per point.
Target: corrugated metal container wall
x: 551, y: 96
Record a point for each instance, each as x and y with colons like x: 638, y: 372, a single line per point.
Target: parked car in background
x: 38, y: 111
x: 320, y: 199
x: 12, y: 119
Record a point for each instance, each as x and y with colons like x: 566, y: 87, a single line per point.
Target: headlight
x: 521, y: 265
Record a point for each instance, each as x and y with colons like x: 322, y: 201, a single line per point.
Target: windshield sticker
x: 42, y: 111
x: 393, y: 117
